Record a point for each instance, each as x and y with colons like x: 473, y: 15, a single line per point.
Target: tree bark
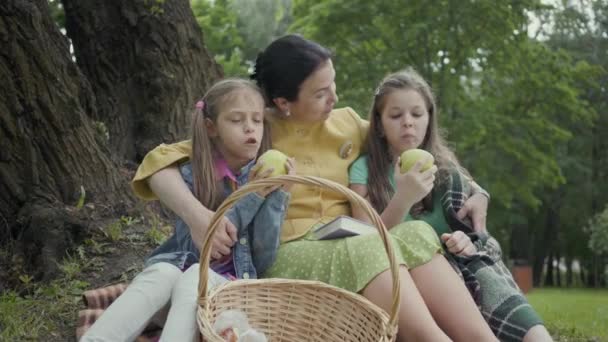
x: 147, y: 65
x: 49, y: 147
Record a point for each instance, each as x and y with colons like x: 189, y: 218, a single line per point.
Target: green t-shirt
x: 359, y: 174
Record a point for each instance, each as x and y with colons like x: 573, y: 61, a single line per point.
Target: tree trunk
x: 147, y: 65
x: 558, y: 272
x: 49, y: 147
x: 549, y: 275
x: 569, y: 277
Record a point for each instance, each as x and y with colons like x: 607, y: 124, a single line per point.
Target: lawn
x: 573, y: 314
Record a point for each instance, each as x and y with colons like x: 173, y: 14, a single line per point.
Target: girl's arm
x: 172, y: 190
x: 265, y: 233
x: 245, y: 210
x: 392, y: 215
x: 411, y: 187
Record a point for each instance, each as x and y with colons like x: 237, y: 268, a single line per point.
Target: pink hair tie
x: 200, y: 105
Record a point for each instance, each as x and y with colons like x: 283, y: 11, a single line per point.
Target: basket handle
x: 304, y: 180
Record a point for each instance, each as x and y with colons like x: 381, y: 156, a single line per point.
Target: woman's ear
x: 282, y: 104
x: 211, y: 129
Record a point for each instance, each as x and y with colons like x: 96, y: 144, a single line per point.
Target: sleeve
x: 265, y: 233
x: 361, y: 123
x: 477, y: 189
x: 358, y: 173
x: 244, y: 210
x: 159, y: 158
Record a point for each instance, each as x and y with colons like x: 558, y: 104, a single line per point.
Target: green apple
x: 274, y: 159
x: 410, y: 157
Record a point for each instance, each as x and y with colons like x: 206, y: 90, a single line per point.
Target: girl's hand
x: 256, y: 174
x: 414, y: 185
x: 459, y: 243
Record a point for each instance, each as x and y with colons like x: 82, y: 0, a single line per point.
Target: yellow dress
x: 324, y: 149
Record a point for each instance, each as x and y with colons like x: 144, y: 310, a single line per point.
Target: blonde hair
x: 379, y: 161
x: 206, y: 189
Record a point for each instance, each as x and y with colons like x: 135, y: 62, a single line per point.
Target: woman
x: 297, y: 77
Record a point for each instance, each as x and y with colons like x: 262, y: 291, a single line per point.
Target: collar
x: 222, y: 170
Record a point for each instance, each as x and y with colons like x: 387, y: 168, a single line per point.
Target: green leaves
x: 598, y: 229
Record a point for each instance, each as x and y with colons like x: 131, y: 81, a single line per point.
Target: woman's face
x: 405, y: 119
x: 317, y: 95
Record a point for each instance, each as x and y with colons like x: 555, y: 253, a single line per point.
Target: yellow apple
x: 274, y: 159
x: 410, y: 157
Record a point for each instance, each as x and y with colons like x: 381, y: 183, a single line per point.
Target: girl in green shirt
x: 404, y: 117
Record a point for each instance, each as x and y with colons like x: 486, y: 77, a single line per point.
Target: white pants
x: 155, y: 290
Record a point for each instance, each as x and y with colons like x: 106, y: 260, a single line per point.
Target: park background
x: 89, y: 87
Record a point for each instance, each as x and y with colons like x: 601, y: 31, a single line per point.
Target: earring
x: 287, y: 113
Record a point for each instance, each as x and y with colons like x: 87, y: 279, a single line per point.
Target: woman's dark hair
x: 285, y: 64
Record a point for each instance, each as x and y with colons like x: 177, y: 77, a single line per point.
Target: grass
x: 573, y: 314
x: 50, y: 308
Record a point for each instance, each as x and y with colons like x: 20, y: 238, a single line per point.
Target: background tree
x: 237, y: 30
x: 515, y: 105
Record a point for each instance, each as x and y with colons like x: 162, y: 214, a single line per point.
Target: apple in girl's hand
x: 274, y: 159
x: 410, y: 157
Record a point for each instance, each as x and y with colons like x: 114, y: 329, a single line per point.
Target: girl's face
x: 317, y: 95
x: 404, y: 120
x: 239, y: 127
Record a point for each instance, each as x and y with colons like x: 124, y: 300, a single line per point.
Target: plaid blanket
x: 502, y: 304
x: 96, y: 301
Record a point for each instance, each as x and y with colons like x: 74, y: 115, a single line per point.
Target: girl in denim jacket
x: 228, y: 134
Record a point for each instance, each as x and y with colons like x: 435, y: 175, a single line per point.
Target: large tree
x: 144, y: 79
x: 146, y: 63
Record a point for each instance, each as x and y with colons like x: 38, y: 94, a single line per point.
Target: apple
x: 274, y: 159
x: 410, y: 157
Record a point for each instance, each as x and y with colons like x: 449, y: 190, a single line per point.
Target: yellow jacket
x: 324, y: 149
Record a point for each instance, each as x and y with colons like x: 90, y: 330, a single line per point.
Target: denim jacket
x: 258, y: 221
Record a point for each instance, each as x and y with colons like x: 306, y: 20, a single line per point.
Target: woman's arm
x: 476, y: 207
x: 169, y: 186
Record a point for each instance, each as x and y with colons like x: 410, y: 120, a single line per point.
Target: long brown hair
x: 206, y: 189
x: 379, y: 160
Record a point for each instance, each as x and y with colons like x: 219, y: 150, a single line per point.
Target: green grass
x: 42, y: 314
x: 573, y: 314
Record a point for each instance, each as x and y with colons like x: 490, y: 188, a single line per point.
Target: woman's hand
x: 224, y: 238
x: 476, y: 207
x: 414, y: 185
x: 459, y: 243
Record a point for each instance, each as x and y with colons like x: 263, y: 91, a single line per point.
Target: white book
x: 343, y: 226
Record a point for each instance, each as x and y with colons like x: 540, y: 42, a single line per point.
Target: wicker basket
x: 298, y: 310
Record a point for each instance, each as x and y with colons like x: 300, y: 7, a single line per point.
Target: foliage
x: 220, y: 34
x: 506, y: 99
x: 57, y: 13
x: 598, y: 229
x: 236, y: 30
